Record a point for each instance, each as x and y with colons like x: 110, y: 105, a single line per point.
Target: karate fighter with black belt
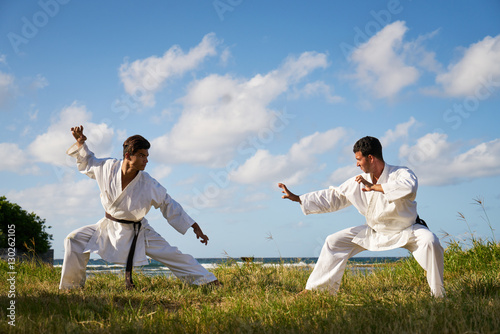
x: 385, y: 195
x: 123, y: 235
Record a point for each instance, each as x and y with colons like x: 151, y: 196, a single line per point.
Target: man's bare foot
x: 215, y: 283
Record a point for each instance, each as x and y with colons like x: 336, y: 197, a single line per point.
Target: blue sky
x: 236, y: 96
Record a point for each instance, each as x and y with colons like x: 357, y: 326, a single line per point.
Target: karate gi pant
x: 339, y: 248
x: 183, y: 266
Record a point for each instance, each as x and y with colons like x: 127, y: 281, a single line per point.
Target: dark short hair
x: 134, y: 144
x: 369, y: 145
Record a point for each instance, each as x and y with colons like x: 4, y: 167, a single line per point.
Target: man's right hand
x: 77, y: 132
x: 288, y: 194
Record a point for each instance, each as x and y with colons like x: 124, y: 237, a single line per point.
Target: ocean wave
x: 96, y: 266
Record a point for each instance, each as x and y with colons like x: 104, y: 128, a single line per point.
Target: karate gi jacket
x: 390, y: 216
x: 112, y: 240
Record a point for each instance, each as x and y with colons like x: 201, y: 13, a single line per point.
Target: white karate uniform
x: 112, y: 240
x: 390, y: 223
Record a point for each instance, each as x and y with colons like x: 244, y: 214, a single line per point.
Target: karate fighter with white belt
x: 385, y: 195
x: 123, y: 235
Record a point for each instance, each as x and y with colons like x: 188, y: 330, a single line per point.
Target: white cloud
x: 256, y: 197
x: 39, y: 82
x: 438, y: 162
x: 60, y: 202
x: 381, y: 63
x: 290, y: 167
x: 318, y: 88
x: 416, y: 53
x: 9, y: 86
x: 8, y: 89
x: 211, y: 195
x: 15, y: 160
x: 146, y: 77
x: 51, y: 146
x: 314, y: 144
x: 428, y: 151
x: 478, y: 67
x: 480, y: 161
x: 225, y: 56
x: 221, y: 112
x: 161, y: 172
x: 33, y: 113
x: 263, y: 166
x: 343, y: 173
x: 340, y: 175
x: 401, y: 131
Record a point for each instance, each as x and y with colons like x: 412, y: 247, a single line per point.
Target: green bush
x: 29, y: 235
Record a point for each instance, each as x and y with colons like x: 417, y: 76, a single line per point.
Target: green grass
x: 395, y: 298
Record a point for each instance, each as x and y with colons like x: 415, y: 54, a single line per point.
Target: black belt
x: 421, y: 222
x: 130, y: 259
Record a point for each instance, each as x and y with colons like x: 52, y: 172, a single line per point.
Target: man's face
x: 140, y: 159
x: 363, y: 162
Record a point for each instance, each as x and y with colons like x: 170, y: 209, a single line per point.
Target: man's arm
x: 174, y: 213
x: 402, y: 183
x: 288, y: 194
x: 321, y: 201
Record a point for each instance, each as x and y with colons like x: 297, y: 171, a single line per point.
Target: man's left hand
x: 199, y: 233
x: 369, y: 186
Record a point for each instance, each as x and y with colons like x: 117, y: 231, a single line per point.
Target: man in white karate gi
x: 385, y: 195
x: 124, y: 236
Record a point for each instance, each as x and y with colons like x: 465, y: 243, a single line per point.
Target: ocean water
x: 95, y: 266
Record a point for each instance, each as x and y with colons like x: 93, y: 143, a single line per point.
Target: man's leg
x: 429, y: 254
x: 75, y: 261
x: 337, y: 250
x: 183, y: 266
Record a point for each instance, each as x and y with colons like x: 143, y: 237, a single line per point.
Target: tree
x: 29, y: 231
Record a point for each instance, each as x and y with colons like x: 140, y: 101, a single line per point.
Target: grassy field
x: 394, y: 298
